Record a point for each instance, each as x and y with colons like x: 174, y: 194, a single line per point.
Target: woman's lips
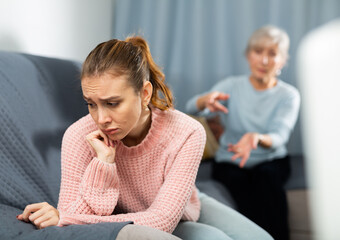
x: 262, y: 70
x: 110, y: 131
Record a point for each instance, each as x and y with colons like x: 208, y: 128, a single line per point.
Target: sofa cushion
x: 39, y: 98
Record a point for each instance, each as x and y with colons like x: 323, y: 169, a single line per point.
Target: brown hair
x: 131, y: 57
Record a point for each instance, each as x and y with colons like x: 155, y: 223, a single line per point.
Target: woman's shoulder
x: 81, y: 127
x: 235, y: 78
x: 179, y: 121
x: 176, y: 128
x: 288, y: 90
x: 230, y: 82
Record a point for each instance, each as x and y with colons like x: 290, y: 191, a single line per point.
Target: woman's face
x: 265, y: 60
x: 113, y: 104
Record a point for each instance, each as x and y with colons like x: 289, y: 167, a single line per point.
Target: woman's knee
x: 132, y: 232
x: 231, y: 222
x: 198, y: 231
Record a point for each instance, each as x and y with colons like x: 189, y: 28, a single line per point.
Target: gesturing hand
x: 103, y: 146
x: 213, y: 103
x: 40, y: 214
x: 243, y: 148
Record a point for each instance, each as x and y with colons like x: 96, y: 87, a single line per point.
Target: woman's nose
x: 265, y: 59
x: 103, y: 117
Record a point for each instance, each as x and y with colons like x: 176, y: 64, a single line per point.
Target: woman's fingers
x: 46, y: 220
x: 19, y: 217
x: 244, y: 160
x: 42, y: 218
x: 45, y: 210
x: 29, y: 209
x: 220, y: 107
x: 97, y: 135
x: 103, y: 146
x: 40, y: 214
x: 234, y: 148
x: 105, y: 137
x: 236, y: 156
x: 241, y: 151
x: 219, y: 96
x: 223, y: 97
x: 50, y: 222
x: 214, y: 105
x: 98, y: 140
x: 217, y: 107
x: 112, y: 143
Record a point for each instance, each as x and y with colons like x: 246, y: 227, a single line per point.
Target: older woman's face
x: 113, y: 104
x: 265, y: 60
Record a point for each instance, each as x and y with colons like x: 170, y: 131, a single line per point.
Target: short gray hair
x: 274, y: 34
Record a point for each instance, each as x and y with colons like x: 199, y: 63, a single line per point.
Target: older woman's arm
x: 279, y: 130
x: 211, y: 101
x: 284, y: 121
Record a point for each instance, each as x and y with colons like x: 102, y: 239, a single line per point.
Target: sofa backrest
x: 39, y: 98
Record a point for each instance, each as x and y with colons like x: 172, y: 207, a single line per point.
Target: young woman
x: 134, y: 158
x: 259, y: 112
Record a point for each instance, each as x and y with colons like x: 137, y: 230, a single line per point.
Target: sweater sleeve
x: 284, y: 120
x: 170, y: 203
x: 88, y: 185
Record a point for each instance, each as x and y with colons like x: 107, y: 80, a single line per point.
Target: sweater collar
x: 150, y: 140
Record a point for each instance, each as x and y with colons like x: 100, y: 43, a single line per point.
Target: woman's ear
x: 146, y: 93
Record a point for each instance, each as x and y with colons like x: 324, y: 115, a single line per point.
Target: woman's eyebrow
x: 110, y: 98
x: 86, y: 98
x: 103, y: 99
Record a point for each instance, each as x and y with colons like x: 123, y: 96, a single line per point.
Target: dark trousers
x: 259, y: 193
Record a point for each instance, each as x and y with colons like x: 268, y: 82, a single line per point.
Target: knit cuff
x: 100, y: 175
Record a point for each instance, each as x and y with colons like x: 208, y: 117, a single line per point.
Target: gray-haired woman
x: 258, y: 112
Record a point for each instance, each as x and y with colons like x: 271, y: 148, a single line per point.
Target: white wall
x: 318, y: 67
x: 59, y: 28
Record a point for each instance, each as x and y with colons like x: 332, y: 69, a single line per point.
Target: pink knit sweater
x: 151, y: 184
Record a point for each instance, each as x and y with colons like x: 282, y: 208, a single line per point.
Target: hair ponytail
x: 156, y: 76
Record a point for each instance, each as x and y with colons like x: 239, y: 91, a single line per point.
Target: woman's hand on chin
x: 103, y: 146
x: 40, y: 214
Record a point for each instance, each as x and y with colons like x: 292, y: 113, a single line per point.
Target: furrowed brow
x: 110, y: 98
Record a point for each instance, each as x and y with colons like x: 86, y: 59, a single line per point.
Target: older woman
x: 258, y: 112
x: 135, y: 158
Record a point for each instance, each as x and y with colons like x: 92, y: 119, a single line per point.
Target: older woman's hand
x: 211, y: 101
x: 243, y: 148
x: 40, y: 214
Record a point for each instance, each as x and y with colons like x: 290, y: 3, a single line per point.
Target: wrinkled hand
x: 103, y: 146
x: 213, y: 104
x: 40, y: 214
x: 243, y: 148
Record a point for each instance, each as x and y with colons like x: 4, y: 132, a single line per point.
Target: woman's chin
x: 115, y: 137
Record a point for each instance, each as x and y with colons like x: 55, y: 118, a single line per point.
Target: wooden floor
x: 299, y: 215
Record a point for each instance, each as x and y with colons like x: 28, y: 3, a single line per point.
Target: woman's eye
x: 89, y: 104
x: 113, y: 104
x: 258, y: 50
x: 272, y: 54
